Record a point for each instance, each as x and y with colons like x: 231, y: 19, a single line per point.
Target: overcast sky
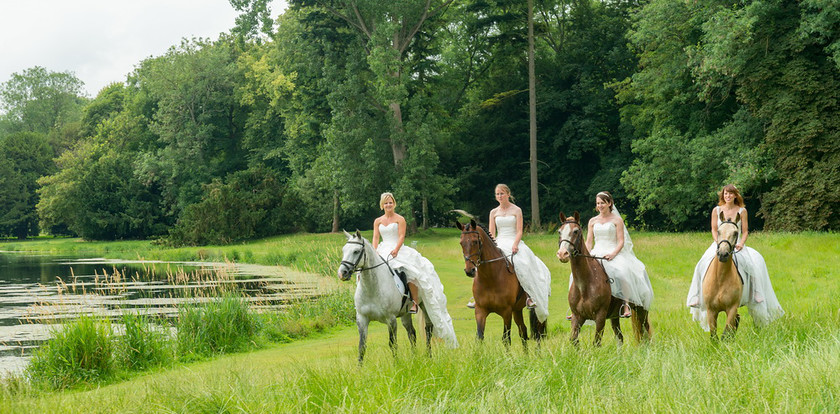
x: 101, y: 41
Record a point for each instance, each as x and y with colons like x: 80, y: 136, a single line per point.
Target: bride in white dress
x: 534, y: 276
x: 629, y: 278
x: 758, y: 292
x: 423, y: 281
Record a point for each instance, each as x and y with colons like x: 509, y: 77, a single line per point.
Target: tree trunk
x: 397, y: 146
x: 425, y: 213
x: 336, y: 206
x: 532, y: 107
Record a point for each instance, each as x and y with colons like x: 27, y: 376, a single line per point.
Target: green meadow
x: 791, y: 366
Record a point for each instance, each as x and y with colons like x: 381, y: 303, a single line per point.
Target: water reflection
x: 38, y: 291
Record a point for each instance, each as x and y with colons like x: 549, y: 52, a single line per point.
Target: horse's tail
x: 538, y: 329
x: 641, y: 324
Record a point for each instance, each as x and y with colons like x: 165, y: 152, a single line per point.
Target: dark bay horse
x: 590, y: 296
x: 495, y: 286
x: 722, y: 286
x: 378, y: 296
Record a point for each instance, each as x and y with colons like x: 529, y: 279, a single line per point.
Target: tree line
x: 298, y: 124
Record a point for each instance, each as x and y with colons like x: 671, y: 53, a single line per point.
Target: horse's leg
x: 641, y: 324
x: 711, y: 319
x: 480, y: 320
x: 537, y: 327
x: 408, y: 324
x: 576, y: 324
x: 362, y: 324
x: 600, y: 322
x: 428, y: 327
x: 523, y: 330
x: 731, y: 321
x: 616, y: 326
x: 506, y: 319
x: 392, y: 334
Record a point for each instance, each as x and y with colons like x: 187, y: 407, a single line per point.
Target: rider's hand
x: 394, y: 253
x: 514, y: 249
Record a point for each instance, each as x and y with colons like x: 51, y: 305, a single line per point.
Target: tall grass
x: 223, y: 325
x: 143, y: 344
x: 80, y: 352
x: 308, y: 317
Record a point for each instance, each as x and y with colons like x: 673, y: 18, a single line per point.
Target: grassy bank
x: 791, y: 366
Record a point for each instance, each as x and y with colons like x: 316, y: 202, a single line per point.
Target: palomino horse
x: 378, y: 295
x: 495, y: 286
x: 722, y: 286
x: 590, y: 296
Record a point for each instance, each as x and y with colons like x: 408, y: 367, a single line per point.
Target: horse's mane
x: 487, y: 232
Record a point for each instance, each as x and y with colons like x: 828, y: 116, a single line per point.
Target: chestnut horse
x: 722, y: 286
x: 495, y: 286
x: 590, y: 296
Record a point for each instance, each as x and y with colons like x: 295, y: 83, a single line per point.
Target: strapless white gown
x: 532, y: 273
x: 421, y: 272
x: 758, y: 294
x: 629, y: 278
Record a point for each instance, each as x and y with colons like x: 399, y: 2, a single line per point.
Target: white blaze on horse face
x: 565, y: 237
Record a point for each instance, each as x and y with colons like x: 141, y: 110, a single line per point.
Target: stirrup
x: 623, y: 313
x: 413, y: 309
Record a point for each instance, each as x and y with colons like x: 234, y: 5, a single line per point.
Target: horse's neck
x: 491, y: 251
x: 376, y: 274
x: 723, y: 272
x: 583, y: 268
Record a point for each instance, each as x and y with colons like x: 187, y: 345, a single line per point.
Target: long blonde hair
x: 506, y: 189
x: 384, y: 197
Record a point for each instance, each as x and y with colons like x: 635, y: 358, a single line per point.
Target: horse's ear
x: 562, y: 217
x: 472, y: 223
x: 358, y: 234
x: 459, y: 225
x: 346, y: 234
x: 577, y: 217
x: 721, y: 217
x: 738, y: 217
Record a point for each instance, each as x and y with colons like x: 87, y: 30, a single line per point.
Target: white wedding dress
x: 532, y: 273
x: 629, y: 280
x: 758, y: 294
x: 421, y: 272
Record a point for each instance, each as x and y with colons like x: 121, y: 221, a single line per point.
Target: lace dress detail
x: 421, y: 272
x: 532, y: 273
x: 758, y: 294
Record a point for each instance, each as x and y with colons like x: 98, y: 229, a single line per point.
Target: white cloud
x: 101, y: 41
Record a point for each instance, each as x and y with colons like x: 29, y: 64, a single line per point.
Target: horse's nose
x: 343, y: 274
x: 470, y: 272
x: 563, y: 255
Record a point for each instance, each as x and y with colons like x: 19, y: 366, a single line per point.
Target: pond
x: 39, y: 291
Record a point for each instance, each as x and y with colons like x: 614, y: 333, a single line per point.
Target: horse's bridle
x: 480, y: 260
x: 576, y: 243
x: 731, y: 247
x: 355, y: 266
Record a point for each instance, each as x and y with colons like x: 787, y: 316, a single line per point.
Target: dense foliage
x: 300, y: 125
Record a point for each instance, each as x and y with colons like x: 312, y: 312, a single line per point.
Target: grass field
x: 791, y: 366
